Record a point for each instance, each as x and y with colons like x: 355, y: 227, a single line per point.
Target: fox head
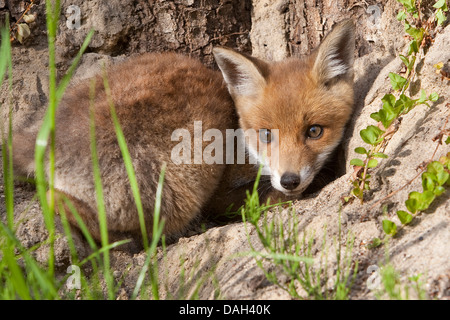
x: 298, y: 107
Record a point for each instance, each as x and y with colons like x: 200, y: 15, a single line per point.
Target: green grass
x: 392, y: 287
x: 21, y: 276
x: 285, y: 252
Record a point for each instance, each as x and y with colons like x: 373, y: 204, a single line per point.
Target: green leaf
x: 380, y: 155
x: 408, y: 63
x: 374, y: 243
x: 447, y: 141
x: 415, y: 278
x: 440, y: 17
x: 389, y: 112
x: 445, y: 160
x: 401, y: 15
x: 404, y: 104
x: 427, y: 198
x: 435, y: 167
x: 419, y: 201
x: 361, y: 150
x: 397, y: 81
x: 357, y: 192
x: 410, y: 5
x: 428, y: 181
x: 411, y: 63
x: 423, y: 97
x: 412, y: 204
x: 404, y: 59
x: 442, y: 177
x: 404, y: 217
x: 417, y: 34
x: 439, y: 190
x: 441, y: 4
x: 434, y: 97
x: 387, y: 117
x: 371, y: 135
x: 372, y: 163
x: 357, y: 162
x: 389, y: 227
x: 375, y: 116
x: 413, y: 47
x: 389, y: 100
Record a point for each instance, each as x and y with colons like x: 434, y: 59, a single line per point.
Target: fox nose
x: 290, y: 180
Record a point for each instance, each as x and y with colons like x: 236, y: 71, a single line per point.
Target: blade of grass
x: 104, y: 249
x: 96, y: 252
x: 68, y: 233
x: 15, y: 275
x: 81, y: 224
x: 5, y: 52
x: 158, y: 227
x: 99, y: 196
x: 36, y: 276
x: 6, y: 66
x: 277, y: 256
x: 127, y: 161
x: 47, y: 130
x: 46, y: 283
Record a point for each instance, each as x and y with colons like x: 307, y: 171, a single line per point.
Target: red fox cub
x: 288, y: 115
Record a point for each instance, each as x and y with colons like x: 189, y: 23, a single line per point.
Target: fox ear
x: 245, y: 76
x: 335, y: 54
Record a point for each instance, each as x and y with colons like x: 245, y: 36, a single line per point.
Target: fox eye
x: 265, y: 135
x: 314, y: 131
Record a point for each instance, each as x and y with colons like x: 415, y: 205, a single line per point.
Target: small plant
x: 441, y: 7
x: 434, y: 180
x: 21, y: 276
x: 21, y: 30
x: 394, y: 106
x: 391, y: 287
x: 288, y: 252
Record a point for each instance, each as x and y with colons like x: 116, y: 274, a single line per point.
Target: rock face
x: 271, y: 30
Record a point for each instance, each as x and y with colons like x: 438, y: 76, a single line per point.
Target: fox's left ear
x: 244, y: 75
x: 334, y: 58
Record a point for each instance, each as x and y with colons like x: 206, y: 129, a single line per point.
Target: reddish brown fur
x: 292, y: 96
x: 290, y: 110
x: 153, y: 95
x: 156, y: 94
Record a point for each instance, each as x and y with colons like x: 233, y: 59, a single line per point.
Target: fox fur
x: 157, y: 93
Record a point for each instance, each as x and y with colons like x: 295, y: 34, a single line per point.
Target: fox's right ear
x: 245, y: 76
x: 334, y: 58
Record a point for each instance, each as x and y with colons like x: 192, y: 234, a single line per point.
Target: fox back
x: 298, y: 107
